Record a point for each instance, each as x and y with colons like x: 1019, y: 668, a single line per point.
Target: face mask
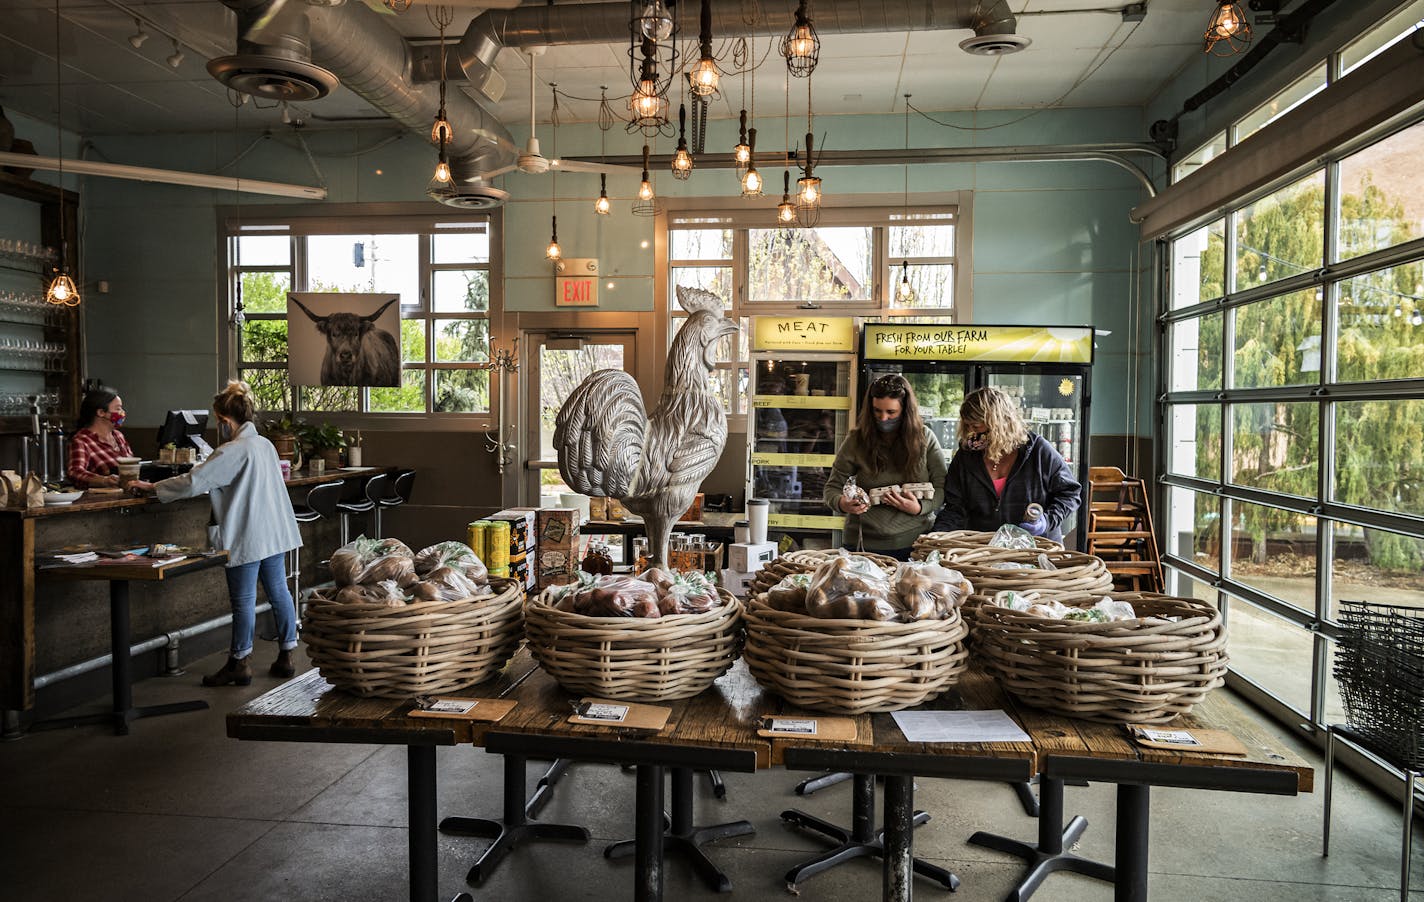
x: 888, y: 425
x: 224, y: 432
x: 976, y: 442
x: 116, y: 420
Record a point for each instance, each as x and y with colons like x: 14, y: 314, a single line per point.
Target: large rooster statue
x: 608, y: 445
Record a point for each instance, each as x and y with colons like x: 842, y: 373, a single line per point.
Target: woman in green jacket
x: 890, y: 445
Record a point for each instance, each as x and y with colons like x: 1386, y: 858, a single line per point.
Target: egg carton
x: 913, y: 489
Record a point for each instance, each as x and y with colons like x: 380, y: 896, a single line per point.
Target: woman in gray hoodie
x: 890, y: 445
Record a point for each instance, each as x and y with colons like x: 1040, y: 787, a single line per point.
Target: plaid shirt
x: 91, y: 457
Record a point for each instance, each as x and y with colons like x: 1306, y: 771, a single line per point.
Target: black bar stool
x: 401, y: 486
x: 321, y: 502
x: 376, y: 487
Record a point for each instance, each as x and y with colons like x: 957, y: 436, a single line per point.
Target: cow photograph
x: 343, y: 339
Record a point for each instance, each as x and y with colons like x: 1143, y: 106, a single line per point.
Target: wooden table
x: 119, y: 576
x: 308, y: 709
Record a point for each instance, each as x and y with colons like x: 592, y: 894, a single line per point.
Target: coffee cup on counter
x: 316, y: 466
x: 128, y: 470
x: 286, y: 467
x: 758, y: 510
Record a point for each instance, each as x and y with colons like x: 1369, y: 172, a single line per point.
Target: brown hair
x: 235, y: 402
x: 906, y: 446
x: 1000, y: 416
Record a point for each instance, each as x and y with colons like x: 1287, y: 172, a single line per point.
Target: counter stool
x: 375, y: 488
x: 401, y: 488
x: 321, y: 502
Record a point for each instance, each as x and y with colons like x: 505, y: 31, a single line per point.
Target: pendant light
x: 705, y: 77
x: 742, y: 153
x: 786, y: 210
x: 655, y: 22
x: 801, y: 46
x: 441, y: 133
x: 553, y: 251
x: 62, y: 291
x: 649, y: 104
x: 646, y: 203
x: 1228, y: 32
x: 808, y: 186
x: 603, y: 206
x: 682, y: 159
x: 751, y: 179
x: 906, y: 291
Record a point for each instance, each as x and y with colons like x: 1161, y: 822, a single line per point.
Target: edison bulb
x: 553, y: 251
x: 705, y: 77
x: 645, y: 190
x: 656, y: 22
x: 810, y: 190
x: 802, y: 44
x: 751, y: 182
x: 442, y: 172
x: 786, y: 211
x: 602, y: 206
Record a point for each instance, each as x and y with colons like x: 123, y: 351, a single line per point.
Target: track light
x: 175, y: 59
x: 138, y: 37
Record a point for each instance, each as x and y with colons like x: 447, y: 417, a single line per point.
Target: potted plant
x: 284, y: 435
x: 325, y: 441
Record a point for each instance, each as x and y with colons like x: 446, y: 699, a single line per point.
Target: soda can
x: 497, y: 544
x: 478, y: 533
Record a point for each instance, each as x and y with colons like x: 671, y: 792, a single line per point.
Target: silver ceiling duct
x: 992, y: 21
x: 372, y: 60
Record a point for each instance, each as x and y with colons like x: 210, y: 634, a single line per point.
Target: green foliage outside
x: 1379, y: 459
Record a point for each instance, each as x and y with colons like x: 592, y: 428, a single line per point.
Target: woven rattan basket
x: 806, y: 561
x: 852, y: 666
x: 415, y: 649
x: 639, y: 658
x: 1077, y: 572
x: 967, y: 538
x: 1148, y: 670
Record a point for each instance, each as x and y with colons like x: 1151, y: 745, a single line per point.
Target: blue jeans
x: 242, y: 591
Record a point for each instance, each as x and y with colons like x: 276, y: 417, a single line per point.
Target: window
x: 1383, y: 36
x: 1198, y: 158
x: 1283, y: 102
x: 852, y: 264
x: 440, y: 267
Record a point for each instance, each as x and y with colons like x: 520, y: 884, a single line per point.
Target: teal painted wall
x: 1052, y: 243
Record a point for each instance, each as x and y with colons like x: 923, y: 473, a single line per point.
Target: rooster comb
x: 695, y: 299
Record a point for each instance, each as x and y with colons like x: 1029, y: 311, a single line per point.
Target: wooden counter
x: 51, y: 625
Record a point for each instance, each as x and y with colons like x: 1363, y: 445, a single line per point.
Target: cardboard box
x: 745, y: 557
x: 598, y: 507
x: 556, y: 546
x: 556, y: 526
x: 522, y: 533
x: 694, y: 513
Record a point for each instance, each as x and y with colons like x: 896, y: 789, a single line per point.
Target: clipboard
x: 486, y: 710
x: 604, y: 712
x: 823, y: 729
x: 1204, y: 742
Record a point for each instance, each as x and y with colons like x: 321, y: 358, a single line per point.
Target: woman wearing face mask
x: 890, y: 445
x: 1003, y: 473
x: 255, y: 524
x: 98, y: 444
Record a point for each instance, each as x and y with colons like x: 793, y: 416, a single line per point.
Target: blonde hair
x: 1000, y: 416
x: 235, y: 402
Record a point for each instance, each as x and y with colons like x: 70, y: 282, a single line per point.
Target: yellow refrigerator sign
x: 968, y: 343
x: 803, y: 333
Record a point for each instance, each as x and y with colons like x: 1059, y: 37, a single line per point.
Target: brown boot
x: 236, y: 672
x: 283, y: 666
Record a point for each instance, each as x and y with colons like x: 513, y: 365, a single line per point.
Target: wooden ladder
x: 1120, y: 529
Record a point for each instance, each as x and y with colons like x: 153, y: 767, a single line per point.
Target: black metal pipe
x: 681, y: 801
x: 899, y: 838
x: 121, y: 672
x: 648, y: 834
x: 1050, y: 815
x: 514, y: 781
x: 1134, y: 809
x: 424, y: 860
x: 862, y: 810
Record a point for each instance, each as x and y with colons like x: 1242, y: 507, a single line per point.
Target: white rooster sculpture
x: 609, y: 445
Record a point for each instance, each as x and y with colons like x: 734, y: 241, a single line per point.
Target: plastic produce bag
x: 926, y: 590
x: 387, y: 593
x: 690, y: 593
x: 369, y: 561
x: 790, y: 593
x: 613, y: 596
x: 853, y: 493
x: 847, y: 587
x: 456, y: 555
x: 446, y: 584
x: 1010, y: 536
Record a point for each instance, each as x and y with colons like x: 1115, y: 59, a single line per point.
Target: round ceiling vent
x: 272, y: 77
x: 994, y: 44
x: 469, y: 197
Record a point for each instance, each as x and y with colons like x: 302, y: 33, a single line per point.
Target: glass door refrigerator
x: 1046, y: 368
x: 803, y: 393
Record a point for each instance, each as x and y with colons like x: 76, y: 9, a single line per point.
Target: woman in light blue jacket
x: 256, y: 526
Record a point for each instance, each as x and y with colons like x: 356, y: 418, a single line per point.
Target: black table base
x: 121, y: 675
x: 680, y: 836
x: 862, y: 840
x: 513, y: 829
x: 1047, y: 855
x: 420, y: 814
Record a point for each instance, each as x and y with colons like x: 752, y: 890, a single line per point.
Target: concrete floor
x: 179, y: 811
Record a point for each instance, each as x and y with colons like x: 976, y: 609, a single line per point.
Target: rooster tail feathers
x: 599, y: 434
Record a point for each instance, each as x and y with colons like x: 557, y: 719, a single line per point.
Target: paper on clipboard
x: 1205, y: 742
x: 828, y: 729
x: 487, y: 710
x: 602, y: 712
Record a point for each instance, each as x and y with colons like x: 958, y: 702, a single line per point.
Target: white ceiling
x: 1077, y: 59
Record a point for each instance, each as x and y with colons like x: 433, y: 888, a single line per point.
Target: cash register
x: 181, y: 429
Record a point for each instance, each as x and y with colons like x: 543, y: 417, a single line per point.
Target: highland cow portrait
x: 343, y: 339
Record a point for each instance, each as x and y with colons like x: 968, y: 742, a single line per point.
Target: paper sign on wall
x: 576, y: 283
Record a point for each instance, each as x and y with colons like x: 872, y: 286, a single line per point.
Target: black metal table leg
x: 817, y: 783
x: 544, y: 788
x: 861, y: 840
x: 420, y: 814
x: 1026, y: 798
x: 1047, y: 855
x: 899, y: 839
x: 121, y: 676
x: 1134, y: 820
x: 512, y: 829
x: 719, y: 788
x: 648, y: 834
x: 684, y: 838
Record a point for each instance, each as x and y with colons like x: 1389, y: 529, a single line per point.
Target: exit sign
x: 576, y: 283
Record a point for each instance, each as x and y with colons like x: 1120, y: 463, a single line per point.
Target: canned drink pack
x: 497, y: 545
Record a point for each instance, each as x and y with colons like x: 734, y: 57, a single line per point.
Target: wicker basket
x: 1076, y: 572
x: 967, y: 538
x: 422, y: 648
x: 1148, y: 670
x: 806, y: 561
x: 640, y: 658
x: 852, y: 666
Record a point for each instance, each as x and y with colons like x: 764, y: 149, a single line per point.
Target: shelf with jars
x: 803, y: 390
x: 25, y: 256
